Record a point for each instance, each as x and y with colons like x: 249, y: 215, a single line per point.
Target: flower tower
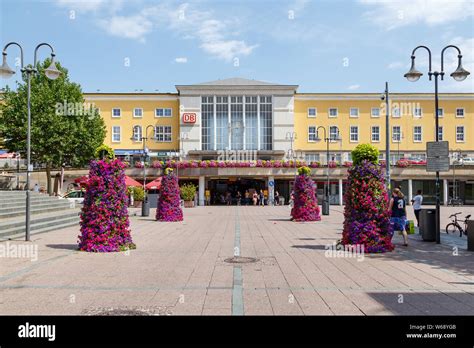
x: 169, y: 208
x: 104, y: 216
x: 305, y: 206
x: 366, y: 215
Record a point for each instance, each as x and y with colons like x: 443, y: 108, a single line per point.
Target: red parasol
x: 131, y: 182
x: 154, y: 185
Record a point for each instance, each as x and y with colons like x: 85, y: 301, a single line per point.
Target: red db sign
x: 189, y: 117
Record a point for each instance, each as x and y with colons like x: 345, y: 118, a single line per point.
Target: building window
x: 207, y: 128
x: 375, y: 134
x: 137, y: 112
x: 222, y: 123
x: 266, y: 107
x: 354, y: 112
x: 375, y: 112
x: 237, y: 123
x: 116, y: 136
x: 417, y: 112
x: 440, y: 112
x: 396, y: 112
x: 417, y: 134
x: 312, y: 135
x: 354, y: 134
x: 333, y: 133
x: 332, y: 112
x: 396, y: 134
x: 163, y: 134
x: 116, y: 112
x: 460, y: 112
x: 440, y: 133
x: 251, y: 123
x: 163, y: 112
x: 312, y: 157
x: 137, y: 133
x: 459, y: 134
x: 312, y: 112
x: 335, y: 157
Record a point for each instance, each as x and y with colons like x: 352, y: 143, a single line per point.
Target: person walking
x: 239, y: 198
x: 399, y: 216
x: 247, y: 197
x: 36, y: 188
x: 277, y: 198
x: 417, y: 201
x: 255, y: 197
x: 262, y: 198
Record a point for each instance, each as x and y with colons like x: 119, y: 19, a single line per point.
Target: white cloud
x: 353, y: 87
x: 90, y: 5
x: 395, y: 65
x: 215, y: 36
x: 131, y: 27
x: 394, y: 14
x: 181, y: 60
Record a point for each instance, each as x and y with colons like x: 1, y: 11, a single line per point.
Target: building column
x: 340, y: 192
x: 202, y: 188
x: 410, y: 191
x: 445, y: 191
x: 271, y: 190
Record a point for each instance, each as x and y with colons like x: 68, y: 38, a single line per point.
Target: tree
x: 63, y: 129
x: 366, y: 215
x: 305, y: 202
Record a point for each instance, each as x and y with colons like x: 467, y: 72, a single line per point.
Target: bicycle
x: 455, y: 202
x: 454, y: 225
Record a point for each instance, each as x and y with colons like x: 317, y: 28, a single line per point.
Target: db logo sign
x: 189, y: 117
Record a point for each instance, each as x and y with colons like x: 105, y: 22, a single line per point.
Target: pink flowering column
x: 169, y: 208
x: 305, y: 203
x: 104, y: 216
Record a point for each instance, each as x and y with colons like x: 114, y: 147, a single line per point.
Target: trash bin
x: 325, y: 207
x: 470, y: 235
x: 428, y: 224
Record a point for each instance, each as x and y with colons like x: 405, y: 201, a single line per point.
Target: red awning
x: 7, y: 155
x: 131, y: 182
x: 154, y: 185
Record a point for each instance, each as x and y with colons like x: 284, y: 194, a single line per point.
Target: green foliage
x: 365, y: 152
x: 104, y: 152
x: 59, y: 134
x: 187, y: 192
x: 138, y: 193
x: 304, y: 171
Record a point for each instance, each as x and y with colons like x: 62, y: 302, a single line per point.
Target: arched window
x: 137, y: 133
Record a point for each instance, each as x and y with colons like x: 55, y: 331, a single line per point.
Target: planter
x: 137, y: 204
x: 189, y: 204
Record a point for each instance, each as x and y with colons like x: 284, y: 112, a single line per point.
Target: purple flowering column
x: 305, y: 203
x: 169, y: 208
x: 104, y: 216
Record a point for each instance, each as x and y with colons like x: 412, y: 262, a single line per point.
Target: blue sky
x: 323, y: 46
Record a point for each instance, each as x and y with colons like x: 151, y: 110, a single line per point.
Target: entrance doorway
x: 224, y: 191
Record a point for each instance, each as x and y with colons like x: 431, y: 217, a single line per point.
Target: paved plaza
x: 181, y: 269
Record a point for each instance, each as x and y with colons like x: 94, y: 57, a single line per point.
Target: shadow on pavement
x: 63, y: 246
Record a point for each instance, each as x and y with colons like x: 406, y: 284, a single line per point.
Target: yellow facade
x: 365, y: 120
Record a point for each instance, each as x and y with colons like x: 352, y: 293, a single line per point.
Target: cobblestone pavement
x: 181, y: 268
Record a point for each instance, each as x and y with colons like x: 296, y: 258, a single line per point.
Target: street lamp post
x: 51, y: 73
x: 457, y: 158
x: 143, y: 138
x: 385, y: 97
x: 291, y: 136
x: 327, y: 138
x: 413, y: 75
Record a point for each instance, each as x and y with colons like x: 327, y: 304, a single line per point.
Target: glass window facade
x: 163, y: 134
x: 375, y: 134
x: 237, y: 122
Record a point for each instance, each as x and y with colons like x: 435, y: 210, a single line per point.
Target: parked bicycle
x: 454, y: 225
x: 455, y: 202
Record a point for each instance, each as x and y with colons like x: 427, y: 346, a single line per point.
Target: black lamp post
x: 51, y: 73
x: 143, y: 138
x: 413, y: 75
x: 327, y: 138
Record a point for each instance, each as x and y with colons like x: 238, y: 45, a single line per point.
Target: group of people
x: 399, y: 213
x: 257, y: 197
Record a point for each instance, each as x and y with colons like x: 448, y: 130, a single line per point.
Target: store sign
x: 189, y: 117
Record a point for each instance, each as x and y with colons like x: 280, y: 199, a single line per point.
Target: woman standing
x: 262, y: 198
x: 254, y: 197
x: 399, y: 214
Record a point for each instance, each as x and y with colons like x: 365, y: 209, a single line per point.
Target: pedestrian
x: 262, y: 198
x: 417, y: 201
x: 277, y: 198
x: 239, y: 198
x: 399, y: 215
x: 36, y: 188
x: 255, y: 197
x: 228, y: 198
x: 247, y: 197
